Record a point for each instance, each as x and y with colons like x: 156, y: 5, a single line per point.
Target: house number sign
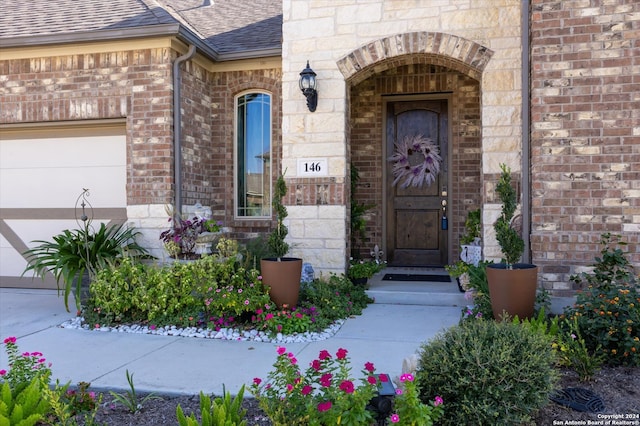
x: 311, y: 167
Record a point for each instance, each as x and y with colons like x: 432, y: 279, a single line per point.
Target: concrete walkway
x: 385, y: 334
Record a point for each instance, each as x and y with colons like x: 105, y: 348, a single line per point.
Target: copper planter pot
x: 283, y: 279
x: 512, y: 290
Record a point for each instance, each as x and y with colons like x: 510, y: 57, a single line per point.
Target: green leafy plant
x: 333, y: 299
x: 130, y: 399
x: 276, y: 241
x: 510, y: 241
x: 358, y: 222
x: 472, y: 227
x: 364, y: 268
x: 478, y: 368
x: 409, y: 410
x: 573, y: 352
x: 607, y: 311
x: 478, y: 293
x: 324, y: 394
x: 221, y: 412
x: 25, y: 407
x: 227, y: 247
x: 68, y: 405
x: 611, y: 266
x: 74, y: 252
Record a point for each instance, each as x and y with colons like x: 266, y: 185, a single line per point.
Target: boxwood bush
x: 487, y: 372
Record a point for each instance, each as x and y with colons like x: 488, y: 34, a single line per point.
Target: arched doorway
x: 416, y: 91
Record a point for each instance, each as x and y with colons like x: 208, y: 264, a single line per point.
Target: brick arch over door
x: 454, y: 52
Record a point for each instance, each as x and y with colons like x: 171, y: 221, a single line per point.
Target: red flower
x: 306, y: 390
x: 324, y: 406
x: 347, y: 386
x: 316, y: 365
x: 325, y: 380
x: 341, y: 354
x: 324, y: 354
x: 369, y: 367
x: 383, y: 378
x: 372, y: 380
x: 257, y: 381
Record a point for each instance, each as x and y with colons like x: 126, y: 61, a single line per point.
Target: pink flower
x: 3, y: 372
x: 260, y: 278
x: 325, y: 380
x: 246, y: 302
x: 293, y: 360
x: 152, y: 327
x: 369, y: 367
x: 395, y: 418
x: 438, y: 401
x: 289, y: 387
x: 383, y: 378
x: 406, y: 377
x: 257, y: 381
x: 315, y: 364
x: 324, y: 354
x: 268, y: 316
x: 9, y: 340
x: 324, y: 406
x: 398, y: 391
x: 259, y: 311
x: 281, y: 350
x: 306, y: 390
x: 347, y: 386
x: 341, y: 354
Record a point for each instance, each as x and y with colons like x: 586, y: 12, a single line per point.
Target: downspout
x: 526, y: 133
x: 177, y: 131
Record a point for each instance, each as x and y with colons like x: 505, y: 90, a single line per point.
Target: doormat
x: 417, y: 277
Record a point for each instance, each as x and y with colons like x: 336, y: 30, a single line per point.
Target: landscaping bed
x: 617, y: 386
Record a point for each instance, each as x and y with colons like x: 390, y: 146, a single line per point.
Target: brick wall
x: 223, y: 88
x: 98, y: 86
x: 367, y: 130
x: 585, y: 132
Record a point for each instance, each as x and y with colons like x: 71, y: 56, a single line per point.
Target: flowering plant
x: 364, y: 268
x: 243, y: 293
x: 324, y: 395
x: 284, y: 320
x: 23, y: 367
x: 409, y: 410
x: 181, y: 238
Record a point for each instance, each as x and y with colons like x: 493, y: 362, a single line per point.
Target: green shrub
x: 180, y: 294
x: 607, y: 311
x: 493, y: 373
x: 333, y: 299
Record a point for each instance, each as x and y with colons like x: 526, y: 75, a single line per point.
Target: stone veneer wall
x: 326, y: 32
x: 585, y: 132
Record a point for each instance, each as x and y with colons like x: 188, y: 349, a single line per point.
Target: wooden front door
x: 415, y: 234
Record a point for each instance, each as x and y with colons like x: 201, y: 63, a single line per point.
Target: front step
x: 415, y: 292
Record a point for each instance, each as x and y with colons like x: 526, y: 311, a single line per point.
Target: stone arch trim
x: 458, y: 53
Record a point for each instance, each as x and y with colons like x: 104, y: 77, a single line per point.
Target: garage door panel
x: 60, y: 187
x: 47, y: 168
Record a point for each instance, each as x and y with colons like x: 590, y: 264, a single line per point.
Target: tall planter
x: 282, y: 276
x: 512, y: 290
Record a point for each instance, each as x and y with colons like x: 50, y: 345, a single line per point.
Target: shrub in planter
x: 488, y: 372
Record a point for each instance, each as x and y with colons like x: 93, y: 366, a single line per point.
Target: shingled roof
x: 224, y: 29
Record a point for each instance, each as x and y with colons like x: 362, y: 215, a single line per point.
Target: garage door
x: 42, y: 173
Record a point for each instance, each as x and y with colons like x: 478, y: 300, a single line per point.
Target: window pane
x: 253, y: 155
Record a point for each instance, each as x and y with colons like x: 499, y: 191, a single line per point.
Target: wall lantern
x: 308, y: 87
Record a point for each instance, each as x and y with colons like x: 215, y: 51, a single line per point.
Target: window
x: 253, y: 155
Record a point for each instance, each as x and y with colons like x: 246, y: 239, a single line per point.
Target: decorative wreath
x: 416, y: 161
